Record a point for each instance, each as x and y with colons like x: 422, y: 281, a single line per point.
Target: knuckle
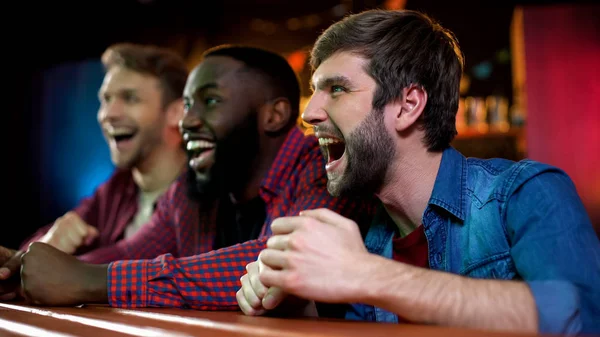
x: 261, y: 255
x: 292, y: 280
x: 254, y: 302
x: 250, y: 265
x: 310, y: 224
x: 34, y: 246
x: 295, y: 241
x: 258, y: 288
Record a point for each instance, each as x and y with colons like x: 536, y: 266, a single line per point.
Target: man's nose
x: 190, y: 121
x: 314, y: 113
x: 112, y: 110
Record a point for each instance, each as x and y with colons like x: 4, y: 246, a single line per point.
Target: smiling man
x: 249, y: 164
x: 487, y: 244
x: 140, y: 108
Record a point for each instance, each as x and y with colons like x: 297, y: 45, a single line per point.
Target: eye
x: 130, y: 98
x: 211, y: 101
x: 104, y: 98
x: 186, y: 106
x: 337, y: 89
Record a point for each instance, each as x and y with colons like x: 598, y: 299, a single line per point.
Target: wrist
x: 384, y: 277
x: 367, y: 277
x: 95, y: 280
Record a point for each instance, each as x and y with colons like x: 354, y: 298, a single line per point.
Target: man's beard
x: 234, y: 154
x: 369, y: 152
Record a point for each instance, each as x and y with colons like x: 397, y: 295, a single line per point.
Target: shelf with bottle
x: 485, y: 117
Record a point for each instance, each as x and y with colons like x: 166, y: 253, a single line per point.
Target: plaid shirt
x: 189, y: 274
x: 110, y: 209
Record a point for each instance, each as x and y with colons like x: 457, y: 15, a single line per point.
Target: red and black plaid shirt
x: 189, y: 274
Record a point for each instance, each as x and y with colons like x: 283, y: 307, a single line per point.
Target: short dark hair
x: 403, y: 47
x: 272, y: 67
x: 162, y: 63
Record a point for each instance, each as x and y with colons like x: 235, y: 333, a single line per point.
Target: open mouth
x: 334, y: 148
x: 121, y: 135
x: 200, y: 153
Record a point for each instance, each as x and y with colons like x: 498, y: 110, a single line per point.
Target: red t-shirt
x: 412, y: 249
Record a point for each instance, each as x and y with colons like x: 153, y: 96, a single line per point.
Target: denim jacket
x: 499, y: 219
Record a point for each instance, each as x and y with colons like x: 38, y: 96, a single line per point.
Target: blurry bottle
x: 476, y: 111
x: 497, y: 111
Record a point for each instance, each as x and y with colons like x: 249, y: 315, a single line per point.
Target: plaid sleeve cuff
x: 127, y: 283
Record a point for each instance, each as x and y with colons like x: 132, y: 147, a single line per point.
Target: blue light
x: 74, y: 156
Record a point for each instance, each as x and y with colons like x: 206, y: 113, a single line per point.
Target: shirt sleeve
x: 210, y: 281
x: 204, y: 282
x: 555, y: 250
x: 153, y: 239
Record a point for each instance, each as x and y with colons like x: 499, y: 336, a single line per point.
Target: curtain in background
x: 562, y: 85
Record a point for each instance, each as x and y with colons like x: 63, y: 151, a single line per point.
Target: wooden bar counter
x: 18, y: 319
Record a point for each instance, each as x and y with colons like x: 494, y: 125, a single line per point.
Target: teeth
x: 119, y: 132
x: 327, y: 141
x: 199, y: 144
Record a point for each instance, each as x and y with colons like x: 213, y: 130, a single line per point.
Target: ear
x: 175, y: 113
x: 275, y: 115
x: 410, y: 107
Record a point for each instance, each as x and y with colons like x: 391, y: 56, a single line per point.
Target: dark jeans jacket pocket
x: 500, y: 266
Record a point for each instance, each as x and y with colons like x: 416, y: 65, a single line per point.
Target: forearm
x: 204, y: 282
x: 434, y: 297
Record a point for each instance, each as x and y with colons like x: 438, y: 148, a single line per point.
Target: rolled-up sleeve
x: 555, y: 249
x: 559, y: 306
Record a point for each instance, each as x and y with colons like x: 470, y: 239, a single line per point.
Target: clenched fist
x: 70, y: 232
x: 52, y: 277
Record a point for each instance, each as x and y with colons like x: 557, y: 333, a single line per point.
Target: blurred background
x: 531, y: 87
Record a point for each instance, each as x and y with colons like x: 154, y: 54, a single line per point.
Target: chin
x: 333, y: 188
x: 121, y: 164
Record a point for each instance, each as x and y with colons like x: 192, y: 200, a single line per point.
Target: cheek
x: 389, y: 122
x: 348, y: 116
x: 145, y: 117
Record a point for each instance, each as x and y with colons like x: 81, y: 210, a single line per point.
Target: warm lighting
x: 293, y: 24
x: 297, y: 60
x: 394, y: 4
x: 307, y: 128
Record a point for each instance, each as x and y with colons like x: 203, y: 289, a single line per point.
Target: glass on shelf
x: 476, y: 114
x: 497, y: 112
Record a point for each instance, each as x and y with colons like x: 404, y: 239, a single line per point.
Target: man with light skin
x: 488, y: 244
x: 249, y: 163
x: 140, y: 108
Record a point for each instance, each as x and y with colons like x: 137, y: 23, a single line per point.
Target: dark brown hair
x: 403, y: 48
x: 166, y: 65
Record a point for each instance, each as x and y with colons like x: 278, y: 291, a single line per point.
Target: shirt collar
x: 295, y: 145
x: 449, y: 190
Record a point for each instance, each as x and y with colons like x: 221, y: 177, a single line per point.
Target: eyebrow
x: 329, y: 81
x: 211, y: 85
x: 124, y: 91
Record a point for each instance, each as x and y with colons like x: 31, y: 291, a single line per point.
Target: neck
x: 159, y: 169
x: 408, y: 186
x: 269, y: 148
